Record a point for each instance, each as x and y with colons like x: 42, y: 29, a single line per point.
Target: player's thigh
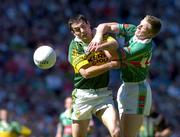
x: 79, y: 128
x: 130, y: 124
x: 110, y: 119
x: 134, y: 98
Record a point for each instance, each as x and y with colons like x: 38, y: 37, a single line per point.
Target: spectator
x: 155, y: 125
x: 11, y: 128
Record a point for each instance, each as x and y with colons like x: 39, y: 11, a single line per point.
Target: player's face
x: 82, y: 30
x: 143, y: 30
x: 3, y: 115
x: 68, y: 103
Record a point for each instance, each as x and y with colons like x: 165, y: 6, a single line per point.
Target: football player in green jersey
x: 91, y: 95
x: 11, y: 128
x: 134, y: 95
x: 64, y: 128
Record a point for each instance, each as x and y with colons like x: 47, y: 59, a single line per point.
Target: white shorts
x: 88, y: 101
x: 134, y: 98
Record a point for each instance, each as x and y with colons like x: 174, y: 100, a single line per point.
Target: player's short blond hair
x: 155, y: 23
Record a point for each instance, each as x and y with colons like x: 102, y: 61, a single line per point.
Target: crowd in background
x: 35, y: 97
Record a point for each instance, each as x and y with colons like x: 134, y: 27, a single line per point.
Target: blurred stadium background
x: 35, y: 97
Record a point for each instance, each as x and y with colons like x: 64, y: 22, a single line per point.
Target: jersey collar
x: 85, y: 46
x: 77, y: 39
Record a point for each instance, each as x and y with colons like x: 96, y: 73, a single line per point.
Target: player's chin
x: 85, y: 39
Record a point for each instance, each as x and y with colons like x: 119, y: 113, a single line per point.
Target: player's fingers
x: 91, y: 47
x: 91, y: 44
x: 97, y: 48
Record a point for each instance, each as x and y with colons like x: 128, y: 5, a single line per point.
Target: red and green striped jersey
x: 135, y: 56
x: 78, y: 58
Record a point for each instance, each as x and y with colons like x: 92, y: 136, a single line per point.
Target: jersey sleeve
x: 76, y: 56
x: 126, y: 30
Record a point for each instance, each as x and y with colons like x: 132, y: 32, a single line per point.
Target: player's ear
x: 151, y: 34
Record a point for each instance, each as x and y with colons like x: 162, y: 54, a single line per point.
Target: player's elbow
x: 115, y: 44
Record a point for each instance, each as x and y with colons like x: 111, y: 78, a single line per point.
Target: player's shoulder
x: 72, y: 43
x: 76, y: 43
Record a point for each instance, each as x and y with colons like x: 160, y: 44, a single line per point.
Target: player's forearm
x: 59, y: 130
x: 94, y: 71
x: 107, y: 27
x: 59, y: 134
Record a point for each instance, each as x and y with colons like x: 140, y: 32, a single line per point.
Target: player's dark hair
x: 76, y: 19
x: 155, y: 22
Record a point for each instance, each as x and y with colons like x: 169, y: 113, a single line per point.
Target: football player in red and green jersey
x: 134, y: 95
x: 64, y: 128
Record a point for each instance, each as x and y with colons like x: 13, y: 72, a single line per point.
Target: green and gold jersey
x: 13, y: 129
x: 66, y: 122
x: 135, y: 56
x: 78, y: 58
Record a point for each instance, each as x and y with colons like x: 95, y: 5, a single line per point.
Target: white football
x: 44, y: 57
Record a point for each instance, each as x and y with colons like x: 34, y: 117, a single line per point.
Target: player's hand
x: 115, y: 64
x: 95, y: 43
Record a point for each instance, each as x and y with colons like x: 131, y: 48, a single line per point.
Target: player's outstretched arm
x: 100, y: 31
x: 93, y: 71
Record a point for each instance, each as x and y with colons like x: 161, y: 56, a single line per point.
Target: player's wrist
x: 110, y: 66
x: 98, y: 37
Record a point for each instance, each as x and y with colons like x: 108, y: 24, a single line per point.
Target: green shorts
x: 87, y: 102
x: 134, y: 98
